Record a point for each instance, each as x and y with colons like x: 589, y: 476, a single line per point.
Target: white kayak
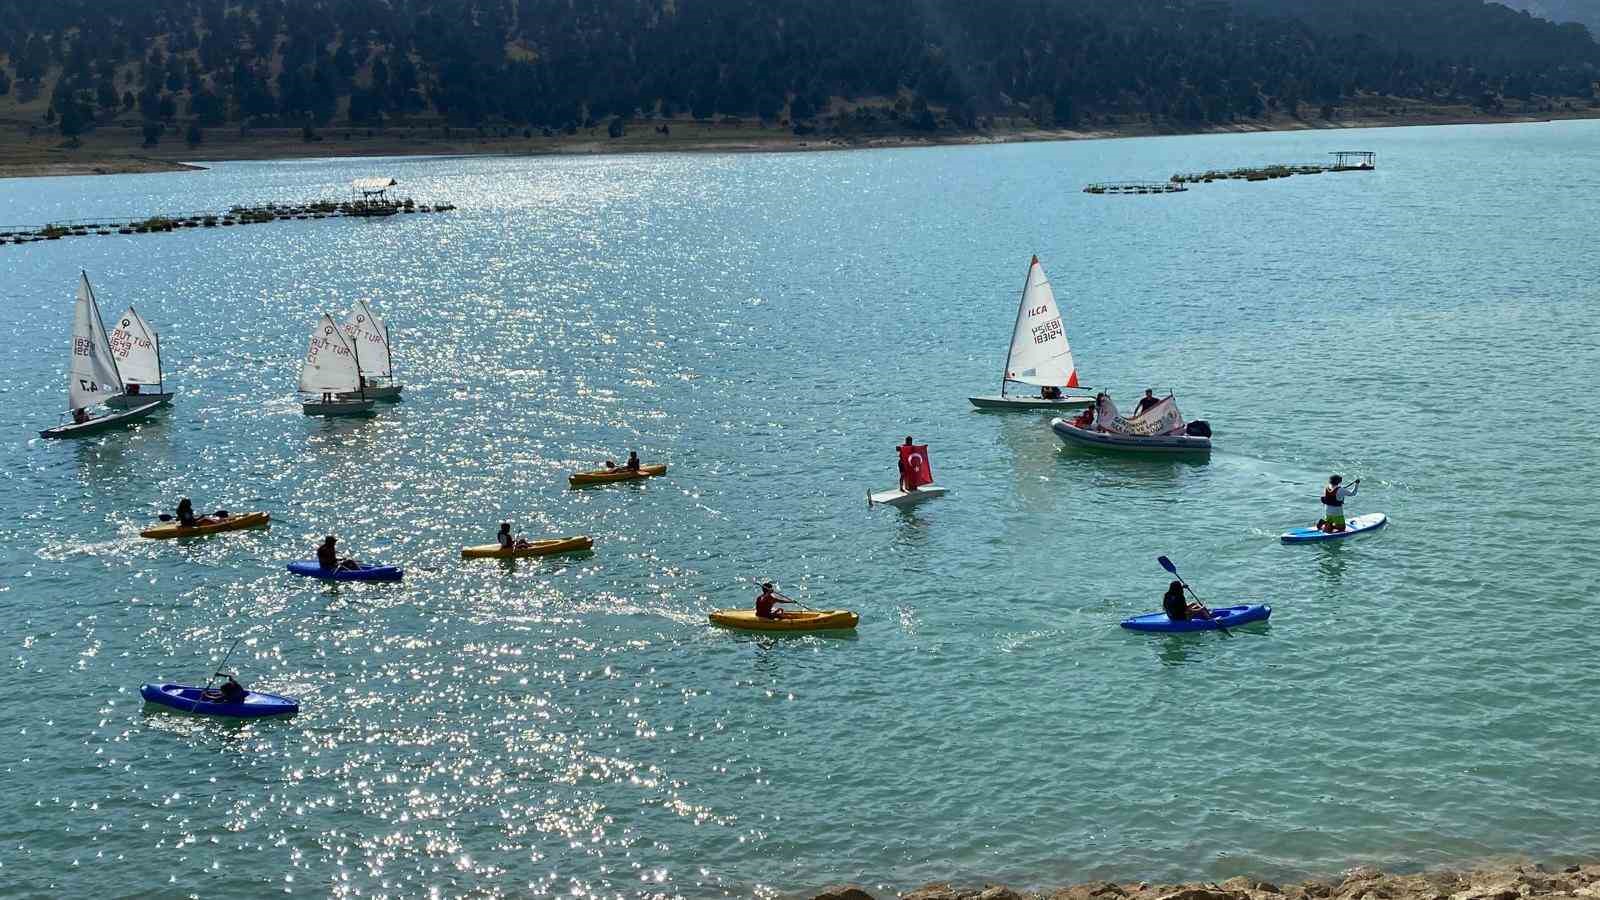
x: 997, y: 401
x: 901, y: 498
x: 1353, y: 526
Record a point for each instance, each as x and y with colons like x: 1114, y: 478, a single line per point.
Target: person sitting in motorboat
x: 633, y: 461
x: 506, y: 541
x: 766, y: 602
x: 1333, y: 496
x: 233, y: 691
x: 185, y: 513
x: 1084, y: 419
x: 1147, y: 402
x: 328, y: 556
x: 1050, y: 392
x: 1177, y: 606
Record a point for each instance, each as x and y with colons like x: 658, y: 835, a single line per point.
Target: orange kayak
x: 227, y: 523
x: 576, y: 544
x: 606, y: 476
x: 808, y: 620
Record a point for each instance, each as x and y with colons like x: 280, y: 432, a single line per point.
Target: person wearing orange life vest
x: 1333, y: 497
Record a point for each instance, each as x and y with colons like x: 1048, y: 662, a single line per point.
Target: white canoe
x: 100, y: 423
x: 901, y: 498
x: 995, y: 401
x: 1069, y: 433
x: 338, y: 408
x: 134, y: 401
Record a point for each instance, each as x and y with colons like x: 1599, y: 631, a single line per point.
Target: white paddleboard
x: 901, y: 498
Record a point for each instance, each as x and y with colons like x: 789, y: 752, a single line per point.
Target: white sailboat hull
x: 375, y: 392
x: 100, y: 423
x: 904, y: 499
x: 995, y: 401
x: 134, y: 401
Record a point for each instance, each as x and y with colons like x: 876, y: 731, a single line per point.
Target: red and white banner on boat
x: 914, y: 468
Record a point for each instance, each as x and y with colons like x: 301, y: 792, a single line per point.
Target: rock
x: 937, y: 890
x: 1205, y: 892
x: 1572, y: 870
x: 1317, y: 889
x: 1000, y: 892
x: 843, y: 892
x: 1504, y: 890
x: 1094, y: 890
x: 1362, y: 873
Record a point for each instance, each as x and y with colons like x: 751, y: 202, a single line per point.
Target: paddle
x: 760, y: 582
x: 215, y: 671
x: 1173, y: 570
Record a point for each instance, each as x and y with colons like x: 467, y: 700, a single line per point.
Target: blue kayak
x: 195, y: 700
x: 1352, y: 526
x: 1222, y: 617
x: 310, y: 569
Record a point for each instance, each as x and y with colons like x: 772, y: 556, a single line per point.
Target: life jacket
x: 1330, y: 497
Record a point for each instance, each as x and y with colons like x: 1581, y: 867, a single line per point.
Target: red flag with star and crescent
x: 914, y: 468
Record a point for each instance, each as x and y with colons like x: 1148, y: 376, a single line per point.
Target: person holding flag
x: 913, y: 466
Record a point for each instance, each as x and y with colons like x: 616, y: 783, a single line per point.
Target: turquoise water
x: 770, y: 325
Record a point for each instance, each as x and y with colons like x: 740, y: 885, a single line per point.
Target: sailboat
x: 92, y: 376
x: 332, y: 370
x: 1039, y: 353
x: 137, y: 349
x: 370, y: 334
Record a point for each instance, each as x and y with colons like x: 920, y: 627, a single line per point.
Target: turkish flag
x: 914, y: 468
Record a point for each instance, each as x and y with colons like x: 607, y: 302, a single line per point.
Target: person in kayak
x: 506, y: 541
x: 633, y: 461
x: 766, y: 602
x: 185, y: 513
x: 233, y: 691
x: 1333, y: 496
x: 1148, y: 401
x: 1178, y: 608
x: 328, y: 556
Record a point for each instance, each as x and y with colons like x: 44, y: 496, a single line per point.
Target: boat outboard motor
x: 1198, y: 428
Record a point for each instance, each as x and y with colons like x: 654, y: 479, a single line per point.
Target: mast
x: 1004, y: 372
x: 361, y: 380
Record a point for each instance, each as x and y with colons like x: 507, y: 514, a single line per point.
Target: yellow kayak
x: 228, y: 523
x: 606, y: 476
x: 534, y: 548
x: 803, y: 620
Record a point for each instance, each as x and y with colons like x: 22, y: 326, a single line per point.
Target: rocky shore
x: 1524, y: 882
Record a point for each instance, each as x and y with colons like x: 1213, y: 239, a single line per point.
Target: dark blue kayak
x: 1222, y: 617
x: 310, y: 569
x: 1353, y: 526
x: 194, y: 700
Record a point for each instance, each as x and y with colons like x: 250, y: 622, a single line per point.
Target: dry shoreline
x: 107, y: 151
x: 1519, y: 882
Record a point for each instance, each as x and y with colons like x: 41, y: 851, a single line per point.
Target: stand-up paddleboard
x: 901, y: 498
x: 1221, y: 617
x: 1039, y: 355
x: 1353, y: 526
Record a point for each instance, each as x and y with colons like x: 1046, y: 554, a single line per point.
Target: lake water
x: 771, y: 325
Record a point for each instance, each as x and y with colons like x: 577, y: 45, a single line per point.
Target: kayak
x: 193, y: 699
x: 1222, y: 617
x: 226, y: 523
x: 311, y: 569
x: 995, y: 401
x: 903, y: 499
x: 1353, y: 526
x: 1069, y: 433
x: 607, y: 476
x: 804, y: 620
x: 535, y: 548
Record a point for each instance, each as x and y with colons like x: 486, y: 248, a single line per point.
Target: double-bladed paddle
x: 1173, y: 570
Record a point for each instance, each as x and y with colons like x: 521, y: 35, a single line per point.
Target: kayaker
x: 185, y: 513
x: 233, y: 691
x: 766, y: 602
x: 1333, y: 496
x: 611, y: 465
x: 1177, y: 606
x: 633, y: 461
x: 328, y: 556
x: 1148, y: 401
x: 506, y: 541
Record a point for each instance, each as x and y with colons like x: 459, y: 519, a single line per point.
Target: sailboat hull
x: 100, y: 423
x: 995, y: 401
x: 383, y: 392
x: 134, y: 401
x: 347, y: 408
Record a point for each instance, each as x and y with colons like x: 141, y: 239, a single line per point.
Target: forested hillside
x: 808, y: 64
x: 1584, y: 12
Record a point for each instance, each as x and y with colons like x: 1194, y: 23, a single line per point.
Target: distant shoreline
x: 105, y: 151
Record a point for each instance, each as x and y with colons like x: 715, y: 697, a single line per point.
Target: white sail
x: 370, y: 336
x: 92, y: 375
x: 1039, y: 351
x: 137, y: 349
x: 331, y: 366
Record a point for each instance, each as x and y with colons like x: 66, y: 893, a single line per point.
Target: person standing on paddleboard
x: 1333, y: 496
